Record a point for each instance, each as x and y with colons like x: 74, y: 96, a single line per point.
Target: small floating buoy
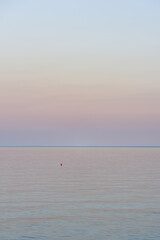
x: 61, y: 164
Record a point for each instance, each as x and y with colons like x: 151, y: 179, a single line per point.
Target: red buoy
x: 61, y: 164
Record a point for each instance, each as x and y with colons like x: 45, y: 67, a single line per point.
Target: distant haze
x: 79, y: 72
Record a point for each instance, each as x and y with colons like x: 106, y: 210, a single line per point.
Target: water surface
x: 98, y: 193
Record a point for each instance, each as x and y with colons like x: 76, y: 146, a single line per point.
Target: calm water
x: 98, y: 193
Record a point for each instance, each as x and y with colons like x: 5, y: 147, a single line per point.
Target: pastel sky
x: 83, y: 72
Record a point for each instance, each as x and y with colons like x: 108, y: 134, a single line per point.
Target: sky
x: 79, y: 72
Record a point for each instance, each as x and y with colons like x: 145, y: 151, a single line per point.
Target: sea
x: 99, y: 193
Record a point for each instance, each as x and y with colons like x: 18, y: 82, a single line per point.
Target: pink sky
x: 69, y: 79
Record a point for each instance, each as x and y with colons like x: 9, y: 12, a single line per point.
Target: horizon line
x: 80, y: 146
